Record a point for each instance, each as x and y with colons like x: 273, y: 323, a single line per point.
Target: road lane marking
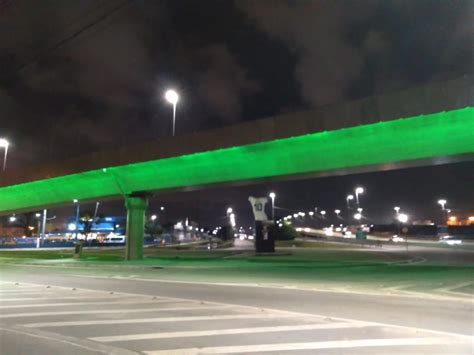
x: 338, y: 344
x: 201, y: 333
x: 111, y: 303
x: 106, y: 311
x: 406, y: 294
x: 58, y: 297
x: 155, y: 320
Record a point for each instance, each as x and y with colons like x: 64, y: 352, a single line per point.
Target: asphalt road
x: 47, y: 312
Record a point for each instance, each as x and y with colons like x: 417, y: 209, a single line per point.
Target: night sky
x: 81, y: 76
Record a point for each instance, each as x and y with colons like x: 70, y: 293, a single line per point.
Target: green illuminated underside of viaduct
x: 419, y: 137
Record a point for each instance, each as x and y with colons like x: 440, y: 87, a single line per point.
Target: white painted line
x: 109, y: 303
x: 155, y: 320
x: 108, y: 311
x: 56, y: 297
x: 201, y: 333
x: 339, y: 344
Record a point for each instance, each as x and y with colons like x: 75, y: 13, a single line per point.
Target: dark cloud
x: 82, y: 76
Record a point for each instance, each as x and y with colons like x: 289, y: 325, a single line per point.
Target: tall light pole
x: 443, y: 202
x: 172, y: 97
x: 358, y: 191
x: 96, y: 210
x: 272, y: 196
x: 337, y: 212
x: 348, y: 204
x: 403, y: 218
x: 397, y: 210
x: 78, y: 210
x: 4, y: 144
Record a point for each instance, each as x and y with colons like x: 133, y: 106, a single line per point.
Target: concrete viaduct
x: 432, y: 124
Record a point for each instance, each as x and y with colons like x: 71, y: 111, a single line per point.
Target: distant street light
x: 397, y: 210
x: 443, y: 202
x: 360, y: 210
x: 403, y: 218
x: 172, y: 97
x: 357, y: 216
x: 323, y: 213
x: 311, y: 213
x: 4, y: 144
x: 358, y: 191
x: 162, y: 208
x: 12, y: 218
x: 229, y: 210
x: 154, y: 217
x: 272, y: 196
x: 337, y: 212
x: 78, y: 209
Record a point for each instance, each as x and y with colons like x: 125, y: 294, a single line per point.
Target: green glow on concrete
x: 418, y: 137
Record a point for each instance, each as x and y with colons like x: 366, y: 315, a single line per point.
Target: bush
x: 286, y: 232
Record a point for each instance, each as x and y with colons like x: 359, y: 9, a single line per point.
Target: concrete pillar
x: 136, y: 206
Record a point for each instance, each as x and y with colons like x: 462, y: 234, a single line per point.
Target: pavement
x: 48, y: 311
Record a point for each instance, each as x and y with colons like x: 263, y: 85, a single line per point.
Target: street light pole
x: 78, y: 206
x: 272, y: 196
x: 348, y: 198
x: 358, y: 190
x: 172, y: 97
x: 443, y: 202
x: 4, y: 144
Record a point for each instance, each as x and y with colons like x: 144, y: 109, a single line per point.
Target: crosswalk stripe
x: 105, y: 311
x: 338, y: 344
x: 155, y: 320
x: 111, y: 303
x: 253, y: 330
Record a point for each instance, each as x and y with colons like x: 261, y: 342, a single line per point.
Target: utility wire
x: 74, y: 35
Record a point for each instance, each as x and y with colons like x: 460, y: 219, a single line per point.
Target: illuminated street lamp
x: 4, y: 144
x: 357, y: 216
x: 360, y: 210
x: 172, y: 97
x: 323, y: 213
x: 154, y: 217
x: 442, y: 203
x: 311, y: 213
x: 337, y: 212
x: 358, y: 191
x: 397, y: 210
x: 12, y: 218
x: 229, y: 210
x: 272, y: 196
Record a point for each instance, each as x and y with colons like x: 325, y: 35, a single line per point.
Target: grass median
x: 319, y: 268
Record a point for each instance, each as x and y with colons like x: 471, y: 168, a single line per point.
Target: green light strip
x: 425, y: 136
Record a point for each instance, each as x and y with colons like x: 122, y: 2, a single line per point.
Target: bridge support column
x: 136, y: 206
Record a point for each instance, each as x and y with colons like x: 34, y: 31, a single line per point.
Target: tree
x: 153, y: 228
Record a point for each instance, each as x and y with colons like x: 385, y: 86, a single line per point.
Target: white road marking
x: 56, y: 297
x: 155, y: 320
x: 201, y: 333
x: 110, y: 303
x: 338, y: 344
x: 405, y: 294
x: 106, y: 311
